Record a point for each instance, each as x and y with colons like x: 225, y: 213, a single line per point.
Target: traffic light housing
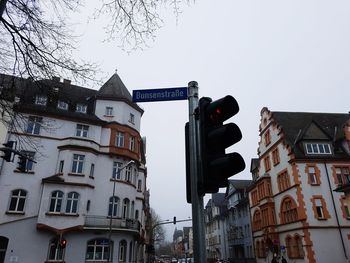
x: 22, y: 163
x: 216, y: 165
x: 8, y: 151
x: 174, y: 220
x: 187, y: 153
x: 63, y: 242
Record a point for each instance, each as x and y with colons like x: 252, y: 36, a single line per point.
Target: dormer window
x: 41, y: 100
x: 109, y: 111
x: 318, y: 148
x: 62, y: 105
x: 81, y: 108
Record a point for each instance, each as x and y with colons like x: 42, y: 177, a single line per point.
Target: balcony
x: 104, y: 222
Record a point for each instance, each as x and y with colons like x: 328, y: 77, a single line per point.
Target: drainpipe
x: 336, y: 214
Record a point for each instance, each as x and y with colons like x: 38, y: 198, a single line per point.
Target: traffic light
x: 7, y: 151
x: 22, y: 163
x: 187, y: 153
x: 63, y: 242
x: 216, y: 165
x: 174, y: 220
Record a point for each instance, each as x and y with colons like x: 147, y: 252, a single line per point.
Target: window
x: 137, y: 214
x: 275, y: 157
x: 78, y: 163
x: 283, y: 181
x: 82, y: 108
x: 342, y: 174
x: 294, y: 247
x: 3, y: 247
x: 33, y: 125
x: 98, y: 250
x: 267, y: 163
x: 41, y: 100
x: 132, y: 118
x: 18, y: 198
x: 56, y: 202
x: 319, y: 208
x: 130, y: 251
x: 56, y: 252
x: 139, y: 185
x: 116, y: 172
x: 126, y: 206
x: 345, y: 208
x: 318, y: 148
x: 62, y: 105
x: 128, y: 170
x: 29, y: 165
x: 92, y: 170
x: 289, y: 211
x: 113, y: 206
x: 267, y: 137
x: 60, y: 167
x: 109, y: 111
x: 312, y: 178
x: 119, y: 140
x: 72, y: 203
x: 256, y: 220
x: 82, y: 130
x: 122, y: 251
x: 132, y: 143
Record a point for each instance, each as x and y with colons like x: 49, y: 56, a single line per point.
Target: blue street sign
x: 159, y: 94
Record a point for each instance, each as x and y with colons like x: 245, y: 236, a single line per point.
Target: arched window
x: 289, y: 211
x: 130, y: 252
x: 126, y: 207
x: 257, y: 220
x: 56, y: 201
x: 72, y: 203
x: 56, y: 252
x: 98, y: 250
x: 122, y: 251
x: 113, y: 206
x: 3, y: 247
x: 18, y: 198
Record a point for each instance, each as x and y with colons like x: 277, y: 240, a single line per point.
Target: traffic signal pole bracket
x: 197, y: 199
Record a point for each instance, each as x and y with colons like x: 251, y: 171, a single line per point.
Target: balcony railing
x: 105, y: 223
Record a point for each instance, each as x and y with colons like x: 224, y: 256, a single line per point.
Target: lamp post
x: 112, y: 210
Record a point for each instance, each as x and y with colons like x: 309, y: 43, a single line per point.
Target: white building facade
x: 86, y: 145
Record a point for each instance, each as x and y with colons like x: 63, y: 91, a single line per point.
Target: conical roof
x: 114, y: 89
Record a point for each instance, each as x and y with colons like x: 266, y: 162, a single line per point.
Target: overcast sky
x: 285, y: 55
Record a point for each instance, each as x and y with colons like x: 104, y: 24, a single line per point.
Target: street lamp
x: 117, y: 175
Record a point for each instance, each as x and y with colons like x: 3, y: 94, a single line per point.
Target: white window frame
x: 18, y: 196
x: 29, y: 167
x: 123, y: 245
x: 78, y: 163
x: 34, y: 125
x: 61, y: 166
x: 72, y: 203
x: 318, y: 148
x: 132, y: 118
x: 56, y: 199
x: 58, y: 251
x: 312, y: 175
x: 92, y: 170
x: 62, y: 105
x: 132, y: 141
x: 119, y: 139
x: 109, y: 111
x: 82, y: 130
x: 105, y: 245
x: 116, y: 167
x: 41, y: 100
x: 82, y: 108
x: 319, y: 208
x: 125, y: 208
x: 113, y: 207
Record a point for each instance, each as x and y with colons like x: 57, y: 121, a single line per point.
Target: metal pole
x: 112, y: 210
x: 197, y: 200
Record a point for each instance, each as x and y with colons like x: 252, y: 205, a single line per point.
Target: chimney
x: 67, y: 81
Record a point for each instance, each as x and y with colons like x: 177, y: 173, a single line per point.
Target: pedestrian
x: 283, y: 260
x: 274, y: 260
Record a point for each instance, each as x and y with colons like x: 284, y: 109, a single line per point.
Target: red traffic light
x: 63, y: 243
